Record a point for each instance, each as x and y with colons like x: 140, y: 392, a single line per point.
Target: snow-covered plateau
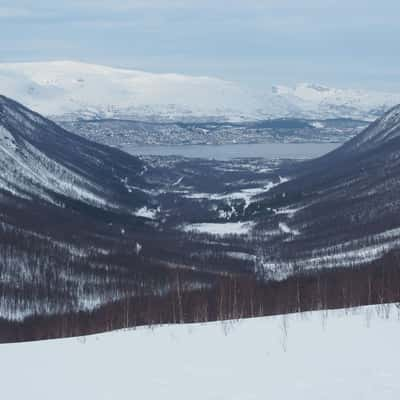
x: 74, y: 89
x: 342, y: 354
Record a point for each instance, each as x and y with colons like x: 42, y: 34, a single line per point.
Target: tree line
x: 226, y: 298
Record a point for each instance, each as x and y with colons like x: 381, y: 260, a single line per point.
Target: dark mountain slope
x: 371, y: 159
x: 364, y: 152
x: 41, y: 160
x: 344, y: 206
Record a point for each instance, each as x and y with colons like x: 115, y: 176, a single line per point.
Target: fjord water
x: 230, y: 151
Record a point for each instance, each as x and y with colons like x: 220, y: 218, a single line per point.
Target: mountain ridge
x: 346, y: 203
x: 69, y: 89
x: 42, y: 160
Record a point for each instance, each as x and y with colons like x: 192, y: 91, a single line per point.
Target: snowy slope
x: 380, y: 132
x: 342, y: 355
x: 347, y: 204
x: 64, y: 87
x: 324, y: 100
x: 67, y: 88
x: 38, y: 159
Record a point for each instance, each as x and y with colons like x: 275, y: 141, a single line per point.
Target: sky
x: 352, y: 43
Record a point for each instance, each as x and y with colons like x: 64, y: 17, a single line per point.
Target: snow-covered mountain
x: 382, y: 131
x: 326, y: 101
x: 62, y: 88
x: 73, y: 89
x: 344, y: 205
x: 40, y: 160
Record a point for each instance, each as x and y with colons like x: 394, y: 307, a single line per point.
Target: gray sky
x: 353, y: 43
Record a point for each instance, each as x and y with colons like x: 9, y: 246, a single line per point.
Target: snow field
x: 343, y: 354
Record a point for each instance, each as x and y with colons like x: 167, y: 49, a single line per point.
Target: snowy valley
x: 129, y: 234
x: 199, y: 200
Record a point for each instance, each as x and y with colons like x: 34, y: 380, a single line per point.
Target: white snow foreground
x: 344, y: 354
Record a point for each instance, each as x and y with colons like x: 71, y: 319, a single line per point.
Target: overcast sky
x: 352, y: 43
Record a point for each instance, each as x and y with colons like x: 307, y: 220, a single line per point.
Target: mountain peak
x: 14, y: 116
x: 391, y: 118
x: 312, y: 86
x: 383, y: 130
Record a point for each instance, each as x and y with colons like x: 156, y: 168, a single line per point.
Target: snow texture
x: 221, y: 229
x: 145, y: 212
x: 286, y: 229
x: 245, y: 195
x: 344, y: 354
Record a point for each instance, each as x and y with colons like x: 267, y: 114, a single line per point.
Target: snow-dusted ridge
x: 38, y: 159
x: 378, y: 133
x: 75, y: 89
x: 346, y: 102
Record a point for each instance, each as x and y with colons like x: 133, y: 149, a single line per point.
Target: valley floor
x: 343, y: 354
